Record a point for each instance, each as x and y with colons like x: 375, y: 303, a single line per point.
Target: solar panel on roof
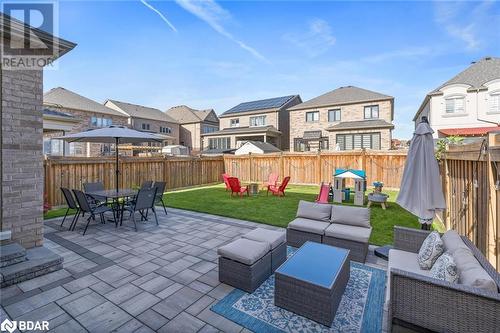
x: 261, y: 104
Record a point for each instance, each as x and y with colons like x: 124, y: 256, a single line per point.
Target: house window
x: 455, y: 104
x: 235, y: 122
x: 219, y: 143
x: 145, y: 126
x: 333, y: 115
x: 495, y: 102
x: 258, y: 121
x: 312, y: 116
x: 358, y: 141
x: 208, y: 129
x: 100, y: 122
x: 371, y: 112
x: 166, y: 130
x: 300, y: 144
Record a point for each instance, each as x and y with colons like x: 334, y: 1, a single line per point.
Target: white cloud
x: 465, y: 23
x: 316, y: 40
x: 213, y: 14
x: 404, y: 53
x: 159, y: 14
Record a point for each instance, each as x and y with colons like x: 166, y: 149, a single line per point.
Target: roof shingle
x: 184, y: 114
x: 342, y: 95
x: 360, y: 124
x: 139, y: 111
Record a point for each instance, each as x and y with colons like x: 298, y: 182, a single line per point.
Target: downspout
x: 477, y: 111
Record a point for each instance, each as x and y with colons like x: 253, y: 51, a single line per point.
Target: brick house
x: 21, y: 158
x: 346, y: 118
x: 264, y: 120
x: 90, y: 114
x: 147, y: 119
x: 193, y: 125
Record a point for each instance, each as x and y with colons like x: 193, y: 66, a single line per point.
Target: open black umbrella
x: 112, y: 134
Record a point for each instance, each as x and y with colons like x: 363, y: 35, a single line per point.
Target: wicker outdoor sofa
x: 342, y: 226
x: 425, y: 302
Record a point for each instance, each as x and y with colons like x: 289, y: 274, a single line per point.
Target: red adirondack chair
x: 236, y: 187
x: 225, y: 177
x: 272, y: 180
x: 324, y: 191
x: 279, y: 191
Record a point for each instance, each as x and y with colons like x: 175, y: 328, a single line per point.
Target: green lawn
x: 280, y: 211
x: 276, y: 211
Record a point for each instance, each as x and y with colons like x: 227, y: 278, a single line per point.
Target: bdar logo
x: 8, y: 325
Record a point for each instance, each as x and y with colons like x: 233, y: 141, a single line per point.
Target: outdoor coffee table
x: 253, y: 189
x: 311, y: 282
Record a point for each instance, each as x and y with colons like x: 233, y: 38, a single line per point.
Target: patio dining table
x: 115, y: 197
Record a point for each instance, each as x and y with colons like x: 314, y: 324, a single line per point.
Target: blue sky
x: 217, y: 54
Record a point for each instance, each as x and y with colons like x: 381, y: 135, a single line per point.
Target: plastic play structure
x: 341, y: 193
x: 324, y: 192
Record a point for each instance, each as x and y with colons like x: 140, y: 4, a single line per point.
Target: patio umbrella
x: 421, y: 193
x: 112, y: 134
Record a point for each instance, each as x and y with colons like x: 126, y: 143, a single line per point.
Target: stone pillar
x: 22, y: 158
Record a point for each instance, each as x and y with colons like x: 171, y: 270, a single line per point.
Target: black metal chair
x: 160, y: 189
x: 147, y: 185
x: 87, y: 207
x: 144, y: 201
x: 95, y: 187
x: 70, y: 201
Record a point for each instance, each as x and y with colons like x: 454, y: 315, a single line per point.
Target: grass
x: 280, y: 211
x: 276, y: 211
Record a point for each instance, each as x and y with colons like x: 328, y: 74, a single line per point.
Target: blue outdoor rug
x: 361, y: 308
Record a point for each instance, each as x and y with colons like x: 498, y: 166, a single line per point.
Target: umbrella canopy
x: 113, y: 134
x: 421, y: 193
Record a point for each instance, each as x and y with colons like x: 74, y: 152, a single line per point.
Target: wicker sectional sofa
x: 415, y: 298
x: 342, y: 226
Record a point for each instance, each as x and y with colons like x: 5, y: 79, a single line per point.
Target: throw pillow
x: 431, y: 249
x: 445, y: 269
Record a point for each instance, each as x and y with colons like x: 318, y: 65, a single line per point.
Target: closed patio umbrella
x: 420, y: 192
x: 112, y: 134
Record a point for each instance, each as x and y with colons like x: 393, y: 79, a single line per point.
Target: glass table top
x: 315, y: 263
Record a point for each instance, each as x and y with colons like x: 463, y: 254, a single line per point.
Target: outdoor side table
x: 311, y: 282
x: 253, y: 189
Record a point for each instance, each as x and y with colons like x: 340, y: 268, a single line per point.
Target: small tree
x: 442, y: 145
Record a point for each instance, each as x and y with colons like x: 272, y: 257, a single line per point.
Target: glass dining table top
x: 113, y: 194
x: 315, y: 263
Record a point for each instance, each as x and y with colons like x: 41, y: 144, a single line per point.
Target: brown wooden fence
x: 72, y: 172
x: 313, y: 168
x: 470, y: 182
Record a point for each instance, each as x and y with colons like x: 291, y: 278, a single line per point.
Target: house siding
x: 154, y: 126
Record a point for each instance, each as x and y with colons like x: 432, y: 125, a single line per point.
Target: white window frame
x: 253, y: 122
x: 454, y: 98
x: 235, y: 122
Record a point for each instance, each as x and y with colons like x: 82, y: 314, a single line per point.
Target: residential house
x: 467, y: 104
x: 89, y: 113
x: 147, y: 119
x: 57, y: 123
x: 346, y: 118
x: 193, y: 124
x: 264, y: 120
x: 256, y: 147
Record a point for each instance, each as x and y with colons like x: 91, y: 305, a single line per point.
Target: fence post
x: 318, y: 163
x: 281, y: 171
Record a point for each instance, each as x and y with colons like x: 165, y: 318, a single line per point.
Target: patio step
x: 39, y: 261
x: 11, y: 254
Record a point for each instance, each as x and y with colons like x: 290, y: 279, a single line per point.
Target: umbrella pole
x: 117, y: 170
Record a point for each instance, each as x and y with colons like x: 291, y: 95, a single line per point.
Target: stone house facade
x: 193, y: 125
x: 263, y: 120
x: 90, y: 114
x: 346, y: 118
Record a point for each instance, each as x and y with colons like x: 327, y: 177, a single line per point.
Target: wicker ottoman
x: 311, y: 282
x: 244, y: 264
x: 277, y: 241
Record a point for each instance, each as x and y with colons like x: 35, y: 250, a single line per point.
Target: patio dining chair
x: 86, y: 207
x: 235, y: 185
x: 145, y: 200
x: 147, y: 185
x: 95, y: 187
x: 70, y: 201
x: 160, y: 189
x: 225, y: 178
x: 272, y: 180
x: 279, y: 191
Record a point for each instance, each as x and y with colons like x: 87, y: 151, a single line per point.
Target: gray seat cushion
x: 471, y: 273
x: 404, y: 261
x: 349, y: 232
x: 314, y: 211
x: 452, y: 241
x: 272, y: 237
x: 307, y: 225
x: 357, y: 216
x: 244, y: 250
